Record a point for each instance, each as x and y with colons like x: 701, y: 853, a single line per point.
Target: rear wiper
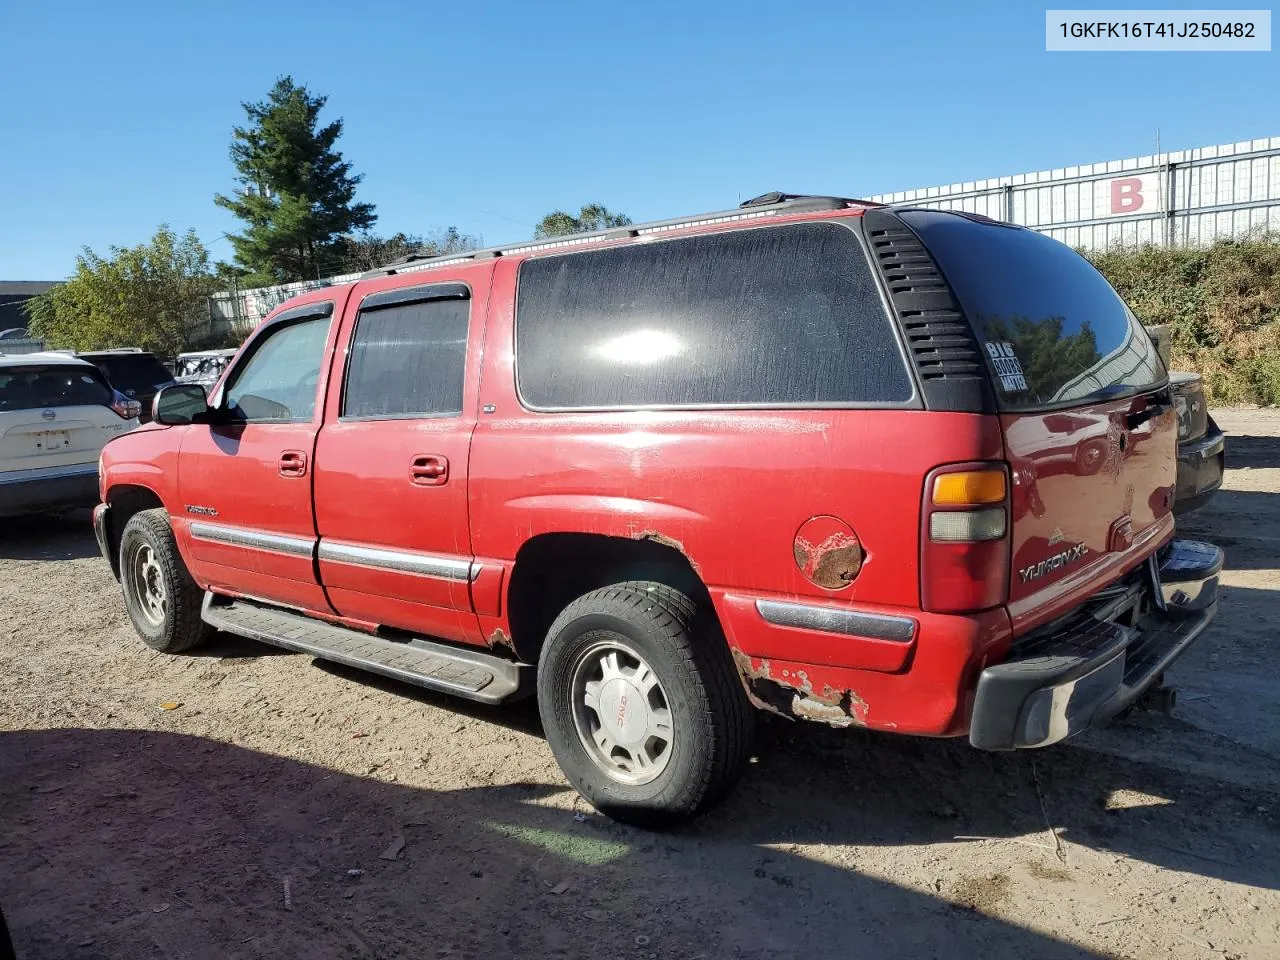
x: 1109, y: 392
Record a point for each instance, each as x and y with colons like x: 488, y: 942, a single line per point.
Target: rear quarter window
x: 786, y: 315
x: 1053, y: 331
x: 132, y: 370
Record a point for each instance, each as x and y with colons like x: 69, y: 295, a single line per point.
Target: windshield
x: 40, y: 387
x: 1053, y: 330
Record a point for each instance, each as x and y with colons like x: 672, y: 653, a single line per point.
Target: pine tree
x: 296, y: 194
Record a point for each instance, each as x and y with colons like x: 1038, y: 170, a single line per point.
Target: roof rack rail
x: 836, y: 203
x: 768, y: 204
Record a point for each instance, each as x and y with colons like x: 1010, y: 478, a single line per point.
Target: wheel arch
x: 125, y: 500
x: 553, y: 569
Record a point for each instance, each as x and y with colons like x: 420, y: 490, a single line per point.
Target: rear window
x: 769, y: 316
x: 1053, y: 330
x: 39, y: 387
x: 132, y: 370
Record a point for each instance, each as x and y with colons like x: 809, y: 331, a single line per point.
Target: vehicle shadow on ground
x: 226, y: 646
x: 142, y: 844
x: 870, y: 788
x: 1252, y: 452
x: 1245, y: 523
x: 812, y: 784
x: 65, y: 537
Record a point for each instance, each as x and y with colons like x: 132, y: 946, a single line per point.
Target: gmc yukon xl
x: 902, y: 469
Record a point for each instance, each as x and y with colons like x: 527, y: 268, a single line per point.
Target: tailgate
x: 1090, y: 483
x: 75, y: 435
x: 53, y: 415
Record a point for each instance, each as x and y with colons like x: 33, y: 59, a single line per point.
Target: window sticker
x: 1008, y: 369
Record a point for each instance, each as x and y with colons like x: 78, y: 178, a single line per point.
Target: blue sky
x: 116, y: 117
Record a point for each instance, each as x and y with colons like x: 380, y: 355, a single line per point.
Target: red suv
x: 902, y: 469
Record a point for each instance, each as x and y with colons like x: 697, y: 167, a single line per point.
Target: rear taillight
x: 125, y: 408
x: 964, y: 538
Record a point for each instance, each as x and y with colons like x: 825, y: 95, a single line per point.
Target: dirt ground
x: 288, y: 809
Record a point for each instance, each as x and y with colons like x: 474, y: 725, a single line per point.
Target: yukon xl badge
x: 1056, y: 562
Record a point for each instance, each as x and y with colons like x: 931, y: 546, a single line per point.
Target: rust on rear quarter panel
x: 792, y: 695
x: 659, y: 537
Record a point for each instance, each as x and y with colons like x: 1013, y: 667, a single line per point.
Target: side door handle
x: 293, y: 463
x: 429, y: 470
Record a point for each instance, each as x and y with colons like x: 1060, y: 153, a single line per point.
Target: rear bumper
x: 1088, y: 670
x: 77, y: 487
x: 1200, y: 467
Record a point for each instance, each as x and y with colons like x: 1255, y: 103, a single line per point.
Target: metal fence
x: 1187, y: 197
x: 20, y: 345
x: 234, y: 313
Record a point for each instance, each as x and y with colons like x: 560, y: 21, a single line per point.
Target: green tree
x: 592, y: 216
x: 154, y: 296
x: 297, y: 194
x: 368, y: 252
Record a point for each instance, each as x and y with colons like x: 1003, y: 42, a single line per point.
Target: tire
x: 710, y: 724
x: 149, y: 554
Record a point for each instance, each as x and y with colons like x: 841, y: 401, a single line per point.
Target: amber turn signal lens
x: 968, y: 489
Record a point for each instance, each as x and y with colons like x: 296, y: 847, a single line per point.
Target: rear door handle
x: 293, y: 463
x: 429, y: 470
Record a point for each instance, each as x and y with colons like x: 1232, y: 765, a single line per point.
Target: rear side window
x: 132, y: 370
x: 1053, y: 330
x: 39, y: 387
x: 408, y: 360
x: 778, y: 315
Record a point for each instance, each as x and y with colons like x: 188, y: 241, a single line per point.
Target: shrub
x: 1222, y: 303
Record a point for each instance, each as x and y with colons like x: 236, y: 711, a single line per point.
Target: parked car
x: 56, y: 412
x: 769, y: 457
x: 134, y: 372
x: 202, y: 366
x: 1202, y: 454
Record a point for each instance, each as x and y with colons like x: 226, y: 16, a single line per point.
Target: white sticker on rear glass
x: 1008, y: 369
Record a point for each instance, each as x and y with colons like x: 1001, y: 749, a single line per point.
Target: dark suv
x: 903, y: 469
x: 135, y: 373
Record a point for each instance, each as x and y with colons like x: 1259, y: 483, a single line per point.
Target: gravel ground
x: 284, y: 808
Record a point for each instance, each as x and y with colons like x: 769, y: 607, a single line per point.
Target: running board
x: 425, y: 663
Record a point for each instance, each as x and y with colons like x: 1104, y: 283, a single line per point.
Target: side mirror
x: 180, y: 404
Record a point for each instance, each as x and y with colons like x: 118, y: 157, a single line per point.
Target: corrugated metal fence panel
x: 1176, y: 197
x: 21, y: 345
x: 237, y: 312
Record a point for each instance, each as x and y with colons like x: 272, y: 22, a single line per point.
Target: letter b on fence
x: 1126, y: 195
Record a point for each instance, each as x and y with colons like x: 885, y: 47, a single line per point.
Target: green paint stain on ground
x: 581, y: 848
